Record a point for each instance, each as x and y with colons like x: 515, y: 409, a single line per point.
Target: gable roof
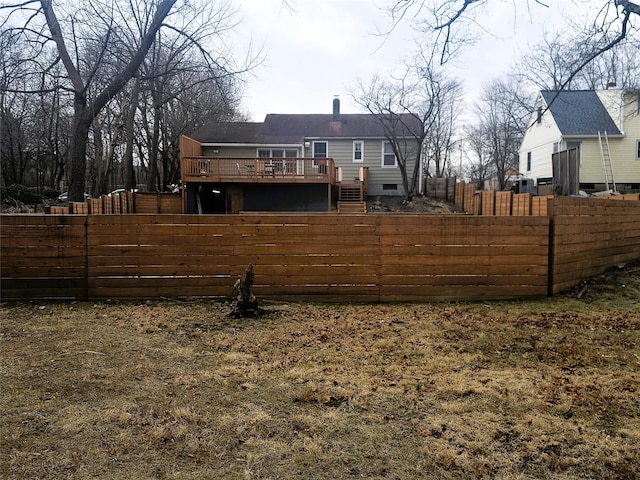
x: 294, y: 128
x: 579, y: 112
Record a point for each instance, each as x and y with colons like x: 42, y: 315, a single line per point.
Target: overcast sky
x: 320, y: 48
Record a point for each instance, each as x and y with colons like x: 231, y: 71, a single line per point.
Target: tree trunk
x: 129, y: 173
x: 152, y: 183
x: 246, y: 302
x: 78, y: 155
x: 101, y: 170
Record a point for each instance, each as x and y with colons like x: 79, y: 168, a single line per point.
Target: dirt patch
x: 619, y: 282
x: 176, y: 389
x: 419, y: 204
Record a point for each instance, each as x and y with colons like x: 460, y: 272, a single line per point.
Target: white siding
x: 624, y: 162
x: 539, y: 139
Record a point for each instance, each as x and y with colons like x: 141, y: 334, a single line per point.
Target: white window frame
x: 283, y: 149
x: 326, y: 149
x: 313, y: 150
x: 529, y: 161
x: 361, y: 159
x: 382, y: 164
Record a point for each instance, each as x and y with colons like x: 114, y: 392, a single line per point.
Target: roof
x: 229, y: 132
x: 294, y: 128
x: 579, y: 112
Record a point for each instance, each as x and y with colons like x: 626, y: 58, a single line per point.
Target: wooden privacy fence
x: 591, y: 235
x: 491, y: 202
x: 324, y: 257
x: 123, y: 202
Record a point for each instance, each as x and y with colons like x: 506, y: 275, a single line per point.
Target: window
x: 637, y: 149
x: 320, y: 150
x: 528, y: 161
x: 389, y: 186
x: 277, y: 153
x: 539, y: 119
x: 388, y: 157
x: 358, y: 151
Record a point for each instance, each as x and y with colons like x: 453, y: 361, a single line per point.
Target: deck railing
x: 320, y: 169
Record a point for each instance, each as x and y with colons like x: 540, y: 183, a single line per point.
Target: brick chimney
x: 336, y: 108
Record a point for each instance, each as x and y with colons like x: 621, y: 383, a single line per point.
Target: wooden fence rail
x: 491, y: 202
x: 323, y: 257
x: 591, y: 235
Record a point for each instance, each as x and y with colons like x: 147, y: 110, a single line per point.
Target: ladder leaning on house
x: 605, y: 152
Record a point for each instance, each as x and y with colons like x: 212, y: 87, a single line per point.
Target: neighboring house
x: 590, y: 121
x: 289, y: 162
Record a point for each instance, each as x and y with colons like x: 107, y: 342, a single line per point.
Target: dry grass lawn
x: 177, y: 390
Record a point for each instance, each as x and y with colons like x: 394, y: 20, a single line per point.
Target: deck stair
x: 352, y: 207
x: 350, y: 192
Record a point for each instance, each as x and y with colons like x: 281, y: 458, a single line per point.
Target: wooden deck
x: 258, y: 170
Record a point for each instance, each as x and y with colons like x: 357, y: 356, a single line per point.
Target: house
x: 289, y: 162
x: 603, y: 125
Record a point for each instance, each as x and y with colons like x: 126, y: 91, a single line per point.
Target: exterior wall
x: 224, y: 151
x: 625, y: 154
x: 341, y: 150
x: 380, y: 176
x: 591, y: 167
x: 286, y: 198
x: 539, y: 140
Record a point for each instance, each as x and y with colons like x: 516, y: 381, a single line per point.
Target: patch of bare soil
x: 419, y: 204
x: 616, y: 284
x: 178, y: 390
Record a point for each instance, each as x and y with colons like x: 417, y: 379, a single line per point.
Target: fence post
x: 551, y: 260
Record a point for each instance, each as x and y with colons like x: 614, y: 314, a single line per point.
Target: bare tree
x: 406, y: 108
x: 440, y: 143
x: 551, y: 65
x: 502, y: 113
x: 102, y: 45
x: 478, y: 166
x: 455, y: 21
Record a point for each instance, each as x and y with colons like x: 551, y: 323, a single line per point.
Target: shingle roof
x: 579, y: 112
x: 293, y: 129
x: 229, y: 132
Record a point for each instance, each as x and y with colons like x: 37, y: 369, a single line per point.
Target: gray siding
x: 342, y: 153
